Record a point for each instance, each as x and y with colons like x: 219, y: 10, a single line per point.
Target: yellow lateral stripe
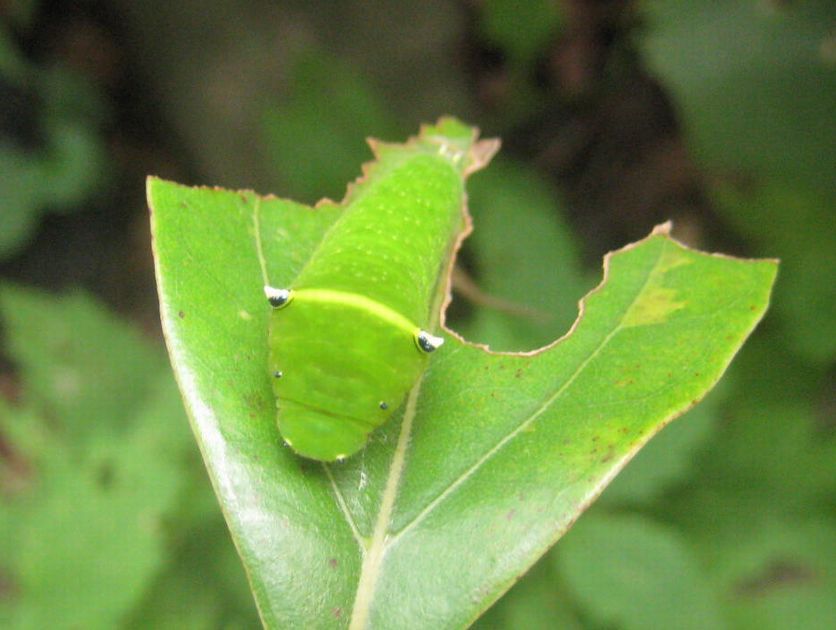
x: 354, y: 300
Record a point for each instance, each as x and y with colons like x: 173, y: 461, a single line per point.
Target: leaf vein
x: 362, y: 541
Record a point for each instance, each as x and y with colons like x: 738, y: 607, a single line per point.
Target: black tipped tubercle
x: 428, y: 342
x: 277, y: 297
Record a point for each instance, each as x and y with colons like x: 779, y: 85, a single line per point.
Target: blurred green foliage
x: 316, y: 149
x: 60, y: 161
x: 630, y: 571
x: 522, y: 30
x: 102, y: 494
x: 520, y: 34
x: 725, y: 520
x: 755, y: 82
x: 516, y: 211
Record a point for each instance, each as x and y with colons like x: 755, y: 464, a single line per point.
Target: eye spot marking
x: 278, y: 298
x: 427, y: 342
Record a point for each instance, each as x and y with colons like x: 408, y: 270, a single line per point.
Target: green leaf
x: 630, y: 572
x: 521, y: 29
x: 315, y: 149
x: 67, y: 166
x: 20, y: 191
x: 756, y: 82
x: 778, y: 574
x: 203, y: 585
x: 109, y: 504
x: 535, y: 603
x: 58, y: 178
x: 82, y: 518
x: 669, y: 458
x: 68, y: 376
x: 494, y: 459
x: 772, y: 454
x: 796, y: 224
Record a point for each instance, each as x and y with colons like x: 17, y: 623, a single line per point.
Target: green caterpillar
x: 352, y: 334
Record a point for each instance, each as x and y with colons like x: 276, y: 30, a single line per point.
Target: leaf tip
x: 663, y: 229
x: 482, y: 153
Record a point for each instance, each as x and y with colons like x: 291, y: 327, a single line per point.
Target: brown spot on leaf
x: 333, y: 563
x: 337, y: 612
x: 8, y: 587
x: 10, y: 387
x: 17, y: 467
x: 181, y: 314
x: 779, y: 575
